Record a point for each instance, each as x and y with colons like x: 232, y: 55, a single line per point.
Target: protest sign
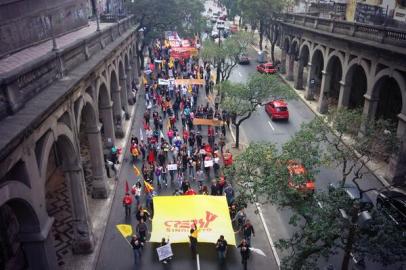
x: 172, y: 167
x: 164, y: 252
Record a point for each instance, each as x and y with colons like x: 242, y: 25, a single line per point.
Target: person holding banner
x: 165, y: 242
x: 137, y: 245
x: 194, y: 232
x: 221, y: 247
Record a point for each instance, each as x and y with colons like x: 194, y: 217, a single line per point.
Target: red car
x: 267, y: 68
x: 297, y: 169
x: 277, y: 109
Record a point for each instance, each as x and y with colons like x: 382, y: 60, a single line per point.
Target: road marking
x: 239, y: 73
x: 268, y: 235
x: 271, y: 126
x: 198, y: 261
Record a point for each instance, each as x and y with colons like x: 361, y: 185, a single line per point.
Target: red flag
x: 127, y: 188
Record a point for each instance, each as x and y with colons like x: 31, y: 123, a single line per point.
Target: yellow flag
x: 136, y: 171
x: 124, y: 229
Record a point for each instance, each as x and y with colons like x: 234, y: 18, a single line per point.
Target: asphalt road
x: 116, y: 253
x: 259, y: 128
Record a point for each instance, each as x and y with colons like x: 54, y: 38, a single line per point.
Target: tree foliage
x: 225, y: 56
x: 155, y: 17
x: 241, y: 100
x: 320, y: 228
x: 261, y: 14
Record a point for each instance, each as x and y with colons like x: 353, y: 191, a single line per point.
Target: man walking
x: 245, y: 252
x: 248, y: 231
x: 221, y: 247
x: 127, y: 201
x: 142, y: 231
x: 136, y: 245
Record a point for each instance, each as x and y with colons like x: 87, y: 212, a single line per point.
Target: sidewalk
x: 99, y: 209
x: 375, y: 167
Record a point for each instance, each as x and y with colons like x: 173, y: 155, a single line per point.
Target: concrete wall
x: 23, y: 23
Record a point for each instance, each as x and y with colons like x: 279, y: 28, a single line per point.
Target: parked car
x: 393, y: 205
x: 277, y: 109
x: 243, y: 59
x: 267, y: 68
x: 296, y: 168
x: 353, y: 194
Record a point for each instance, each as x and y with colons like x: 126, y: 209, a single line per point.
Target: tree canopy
x: 321, y: 228
x: 226, y: 55
x: 241, y: 100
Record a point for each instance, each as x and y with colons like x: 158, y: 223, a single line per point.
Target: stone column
x: 291, y: 65
x: 39, y: 248
x: 324, y: 92
x: 117, y: 112
x: 124, y: 95
x: 134, y: 63
x: 83, y: 241
x: 130, y: 75
x: 108, y: 124
x: 396, y: 170
x: 309, y: 94
x: 99, y: 185
x: 283, y: 62
x: 344, y: 98
x: 299, y: 78
x: 369, y: 110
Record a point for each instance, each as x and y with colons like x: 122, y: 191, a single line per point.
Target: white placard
x: 163, y: 82
x: 172, y: 167
x: 164, y: 252
x: 208, y: 163
x: 202, y: 152
x: 216, y: 160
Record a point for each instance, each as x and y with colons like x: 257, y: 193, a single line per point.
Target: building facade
x: 350, y: 65
x: 59, y: 114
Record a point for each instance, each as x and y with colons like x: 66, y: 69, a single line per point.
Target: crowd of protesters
x: 172, y: 152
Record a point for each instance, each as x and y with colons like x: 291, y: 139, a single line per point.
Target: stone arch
x: 68, y: 143
x: 62, y: 177
x: 333, y: 74
x: 317, y: 63
x: 293, y: 54
x: 91, y: 149
x: 304, y: 58
x: 389, y: 75
x: 22, y: 233
x: 286, y: 43
x: 353, y: 91
x: 105, y: 109
x: 115, y: 93
x: 86, y: 103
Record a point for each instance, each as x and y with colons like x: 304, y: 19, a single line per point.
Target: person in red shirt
x: 127, y: 201
x: 190, y: 191
x: 151, y: 157
x: 185, y: 136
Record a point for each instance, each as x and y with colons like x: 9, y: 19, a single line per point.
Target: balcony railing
x: 380, y: 34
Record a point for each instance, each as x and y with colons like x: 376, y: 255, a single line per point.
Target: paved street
x: 116, y: 253
x: 260, y: 128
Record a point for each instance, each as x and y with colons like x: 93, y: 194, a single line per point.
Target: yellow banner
x: 189, y: 81
x: 175, y: 215
x: 125, y: 229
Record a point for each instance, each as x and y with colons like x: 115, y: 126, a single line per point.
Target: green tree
x: 261, y: 14
x: 327, y: 221
x: 224, y: 56
x: 241, y: 100
x: 156, y: 16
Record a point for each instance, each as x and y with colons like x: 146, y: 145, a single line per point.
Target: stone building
x: 60, y: 108
x: 350, y: 65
